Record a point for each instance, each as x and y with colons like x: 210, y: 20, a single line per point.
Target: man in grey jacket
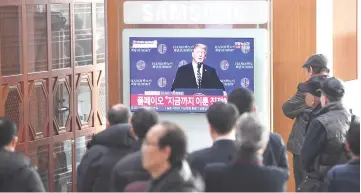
x: 296, y: 108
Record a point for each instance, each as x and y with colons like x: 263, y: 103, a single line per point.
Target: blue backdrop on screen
x: 154, y: 61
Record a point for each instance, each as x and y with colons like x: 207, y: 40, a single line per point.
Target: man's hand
x: 310, y: 99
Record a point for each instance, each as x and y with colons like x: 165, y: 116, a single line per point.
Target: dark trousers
x: 298, y: 173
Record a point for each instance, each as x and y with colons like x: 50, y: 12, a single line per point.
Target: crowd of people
x: 140, y: 153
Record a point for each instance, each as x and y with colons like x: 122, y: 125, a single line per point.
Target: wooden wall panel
x: 345, y: 39
x: 294, y: 40
x: 113, y: 12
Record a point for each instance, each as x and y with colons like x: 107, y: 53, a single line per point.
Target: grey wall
x: 195, y: 126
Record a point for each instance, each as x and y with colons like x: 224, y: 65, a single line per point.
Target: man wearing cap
x: 324, y: 143
x: 316, y: 65
x: 296, y: 108
x: 312, y: 92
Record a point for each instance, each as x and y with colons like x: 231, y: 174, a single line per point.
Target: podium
x: 206, y: 92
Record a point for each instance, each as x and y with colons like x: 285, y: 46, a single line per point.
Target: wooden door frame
x: 24, y: 80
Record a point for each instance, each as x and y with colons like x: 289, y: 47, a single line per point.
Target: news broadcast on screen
x: 188, y: 74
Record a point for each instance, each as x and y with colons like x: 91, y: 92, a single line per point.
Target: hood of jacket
x: 190, y: 181
x: 116, y: 136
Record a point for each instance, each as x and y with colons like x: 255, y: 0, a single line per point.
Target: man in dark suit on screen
x: 197, y: 75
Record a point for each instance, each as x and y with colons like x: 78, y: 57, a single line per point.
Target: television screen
x: 182, y: 74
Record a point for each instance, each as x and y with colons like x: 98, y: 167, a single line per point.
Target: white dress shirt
x: 230, y: 136
x: 195, y: 69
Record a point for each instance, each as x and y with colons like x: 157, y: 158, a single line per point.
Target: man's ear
x: 168, y: 151
x: 133, y: 132
x: 14, y: 142
x: 326, y: 100
x: 211, y: 130
x: 254, y: 108
x: 347, y: 147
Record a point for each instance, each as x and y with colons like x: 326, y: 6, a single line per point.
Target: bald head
x: 118, y: 114
x: 250, y: 133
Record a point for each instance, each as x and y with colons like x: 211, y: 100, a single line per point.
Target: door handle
x: 63, y: 109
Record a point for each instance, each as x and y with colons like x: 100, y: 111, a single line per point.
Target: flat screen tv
x: 188, y: 74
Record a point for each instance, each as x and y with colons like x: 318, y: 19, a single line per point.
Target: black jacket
x: 185, y: 78
x: 128, y: 170
x: 177, y: 179
x: 244, y: 176
x: 275, y: 153
x: 221, y: 151
x: 324, y: 143
x: 17, y: 174
x: 104, y: 151
x: 296, y: 108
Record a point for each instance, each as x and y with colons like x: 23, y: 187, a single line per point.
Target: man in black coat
x: 324, y: 145
x: 275, y: 153
x: 129, y: 169
x: 221, y: 119
x: 346, y: 177
x: 105, y: 150
x: 16, y: 172
x: 246, y: 172
x: 197, y: 75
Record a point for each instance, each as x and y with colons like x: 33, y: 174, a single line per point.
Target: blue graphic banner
x: 154, y: 62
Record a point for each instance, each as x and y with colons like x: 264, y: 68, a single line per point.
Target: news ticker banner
x: 154, y: 62
x: 175, y: 103
x: 196, y: 12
